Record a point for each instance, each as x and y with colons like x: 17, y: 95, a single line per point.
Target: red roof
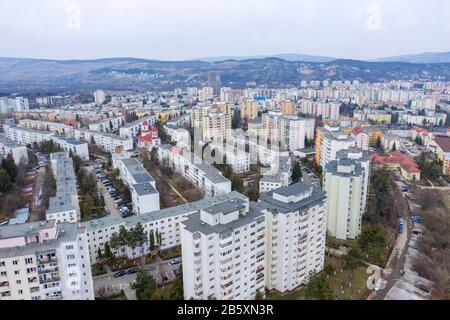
x: 443, y: 142
x: 145, y: 123
x: 154, y: 129
x: 405, y: 161
x: 357, y: 130
x: 147, y: 138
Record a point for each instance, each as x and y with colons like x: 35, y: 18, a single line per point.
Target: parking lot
x: 162, y: 271
x: 309, y: 177
x: 113, y: 202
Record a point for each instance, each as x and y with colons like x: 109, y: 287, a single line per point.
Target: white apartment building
x: 17, y: 104
x: 289, y: 131
x: 324, y: 109
x: 99, y: 97
x: 108, y: 141
x: 108, y: 125
x: 131, y: 130
x: 64, y: 206
x: 142, y: 186
x: 45, y: 261
x: 278, y: 176
x: 223, y: 249
x: 79, y: 148
x: 18, y: 152
x: 436, y: 119
x: 25, y: 136
x: 56, y: 127
x: 238, y: 159
x: 295, y: 235
x: 203, y: 175
x: 165, y: 222
x: 333, y: 142
x: 344, y: 182
x: 216, y: 126
x: 180, y: 121
x: 180, y: 136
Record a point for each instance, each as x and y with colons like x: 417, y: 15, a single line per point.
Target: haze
x: 189, y: 29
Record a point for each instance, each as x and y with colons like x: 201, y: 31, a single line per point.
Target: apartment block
x: 223, y: 248
x: 131, y: 130
x: 108, y: 141
x: 165, y: 222
x: 203, y: 175
x: 108, y: 125
x: 295, y: 235
x: 17, y: 151
x: 45, y: 261
x: 278, y: 176
x: 64, y: 206
x: 344, y: 182
x: 249, y: 109
x: 142, y: 186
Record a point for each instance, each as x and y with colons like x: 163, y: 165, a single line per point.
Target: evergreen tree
x: 10, y: 167
x: 296, y: 172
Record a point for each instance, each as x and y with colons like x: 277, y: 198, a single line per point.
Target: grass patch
x: 171, y: 253
x: 354, y: 284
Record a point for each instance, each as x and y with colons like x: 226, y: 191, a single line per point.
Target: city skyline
x: 177, y: 30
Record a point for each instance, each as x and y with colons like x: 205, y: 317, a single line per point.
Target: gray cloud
x: 185, y: 29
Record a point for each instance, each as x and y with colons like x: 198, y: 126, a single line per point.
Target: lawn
x: 171, y: 253
x: 345, y: 285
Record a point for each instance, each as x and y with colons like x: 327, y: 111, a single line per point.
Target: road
x: 396, y: 262
x: 111, y: 283
x: 109, y: 201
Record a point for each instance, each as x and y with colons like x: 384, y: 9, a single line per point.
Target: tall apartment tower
x: 295, y: 236
x: 45, y: 261
x: 223, y: 248
x: 214, y: 82
x: 346, y: 187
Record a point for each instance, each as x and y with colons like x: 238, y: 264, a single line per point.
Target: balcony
x: 49, y: 279
x: 4, y: 284
x: 49, y: 269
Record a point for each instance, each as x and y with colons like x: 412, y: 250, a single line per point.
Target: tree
x: 253, y: 194
x: 145, y: 286
x: 9, y: 166
x: 99, y: 254
x: 353, y: 258
x: 6, y: 184
x: 329, y: 269
x: 318, y: 288
x: 296, y: 172
x: 394, y: 147
x: 152, y: 240
x: 108, y: 253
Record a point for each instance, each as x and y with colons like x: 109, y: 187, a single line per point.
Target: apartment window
x: 69, y: 247
x: 15, y: 262
x: 2, y: 263
x: 70, y: 257
x: 18, y: 281
x: 28, y: 260
x: 3, y: 274
x: 16, y: 272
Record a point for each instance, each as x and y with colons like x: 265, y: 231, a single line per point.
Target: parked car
x: 175, y: 261
x: 150, y: 268
x: 119, y: 274
x: 133, y: 270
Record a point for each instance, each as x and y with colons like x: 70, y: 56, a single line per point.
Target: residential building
x: 398, y: 161
x: 223, y: 249
x: 64, y: 206
x: 344, y: 182
x: 295, y: 235
x: 278, y: 176
x: 131, y: 130
x: 17, y: 151
x: 249, y: 109
x: 108, y: 141
x: 145, y: 197
x: 108, y: 125
x: 203, y: 175
x: 331, y: 143
x: 45, y: 261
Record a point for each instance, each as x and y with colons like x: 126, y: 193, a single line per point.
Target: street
x: 396, y: 262
x: 112, y: 284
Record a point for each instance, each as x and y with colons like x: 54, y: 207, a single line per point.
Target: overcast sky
x: 187, y: 29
